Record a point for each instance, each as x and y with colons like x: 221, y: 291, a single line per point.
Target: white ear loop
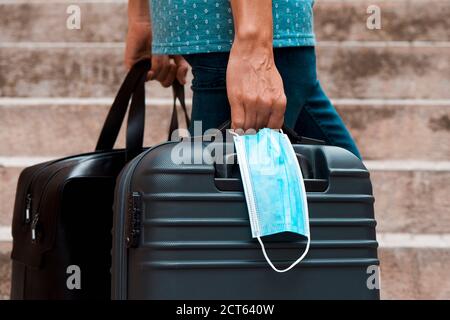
x: 233, y: 133
x: 292, y: 265
x: 307, y: 221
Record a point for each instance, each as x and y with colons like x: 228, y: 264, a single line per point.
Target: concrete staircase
x: 391, y: 86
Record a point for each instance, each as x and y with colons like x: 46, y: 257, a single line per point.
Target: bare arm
x: 139, y: 35
x: 138, y: 47
x: 138, y: 11
x: 254, y: 85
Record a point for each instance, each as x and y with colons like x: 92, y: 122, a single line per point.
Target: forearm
x: 139, y: 35
x: 138, y: 11
x: 253, y: 22
x: 254, y: 85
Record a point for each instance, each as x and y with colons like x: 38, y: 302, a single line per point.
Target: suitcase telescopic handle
x: 133, y: 87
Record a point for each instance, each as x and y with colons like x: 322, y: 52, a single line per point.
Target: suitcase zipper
x: 34, y: 226
x: 28, y: 208
x: 35, y: 216
x: 31, y: 181
x: 29, y: 216
x: 118, y: 272
x: 134, y: 220
x: 28, y: 197
x: 118, y: 265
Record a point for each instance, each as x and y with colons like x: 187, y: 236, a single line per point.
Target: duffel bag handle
x: 178, y: 94
x: 116, y: 114
x: 136, y: 121
x: 133, y: 87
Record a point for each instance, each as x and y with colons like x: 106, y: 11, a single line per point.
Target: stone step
x: 335, y: 20
x: 67, y: 126
x: 399, y: 129
x: 67, y: 70
x: 410, y: 198
x: 46, y: 21
x: 411, y: 274
x: 5, y: 270
x: 403, y: 20
x: 406, y: 273
x: 385, y: 70
x: 349, y: 70
x: 383, y: 129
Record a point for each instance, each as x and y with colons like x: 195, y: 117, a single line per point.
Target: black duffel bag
x: 63, y: 209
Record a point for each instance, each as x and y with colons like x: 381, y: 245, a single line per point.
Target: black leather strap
x: 136, y: 121
x: 134, y: 87
x: 178, y: 93
x: 116, y: 114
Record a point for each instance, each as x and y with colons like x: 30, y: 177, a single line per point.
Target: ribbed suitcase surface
x: 182, y: 232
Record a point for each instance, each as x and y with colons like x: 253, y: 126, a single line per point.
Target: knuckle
x: 281, y: 110
x: 184, y: 65
x: 280, y: 107
x: 165, y: 84
x: 184, y: 69
x: 238, y: 95
x: 266, y: 102
x: 282, y: 101
x: 156, y: 68
x: 251, y: 99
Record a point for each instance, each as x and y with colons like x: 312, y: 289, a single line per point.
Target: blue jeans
x: 308, y: 110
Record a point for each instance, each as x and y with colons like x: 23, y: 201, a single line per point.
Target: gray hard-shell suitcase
x: 181, y: 231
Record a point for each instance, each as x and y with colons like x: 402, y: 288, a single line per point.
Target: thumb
x: 182, y: 68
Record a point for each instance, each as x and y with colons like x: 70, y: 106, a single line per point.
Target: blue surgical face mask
x: 273, y: 186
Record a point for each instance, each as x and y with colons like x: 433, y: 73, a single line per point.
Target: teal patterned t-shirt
x: 199, y: 26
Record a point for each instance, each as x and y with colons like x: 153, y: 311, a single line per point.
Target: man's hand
x: 254, y: 85
x: 138, y: 47
x: 255, y: 89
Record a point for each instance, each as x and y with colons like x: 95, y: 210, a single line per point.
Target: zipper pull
x: 28, y: 209
x: 33, y: 227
